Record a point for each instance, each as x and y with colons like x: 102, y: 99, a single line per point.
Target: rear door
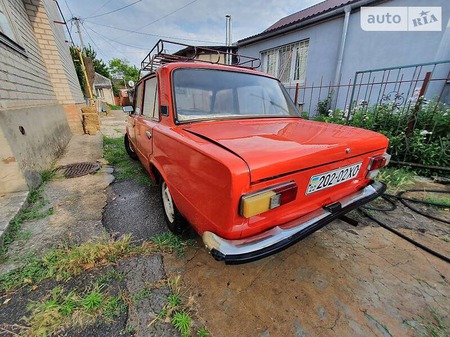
x: 148, y: 118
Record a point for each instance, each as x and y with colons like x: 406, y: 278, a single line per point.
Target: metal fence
x: 409, y: 104
x: 401, y: 87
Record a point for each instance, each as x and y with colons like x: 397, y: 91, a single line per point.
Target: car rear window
x: 205, y: 94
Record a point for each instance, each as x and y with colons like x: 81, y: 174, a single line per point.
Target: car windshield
x: 205, y: 94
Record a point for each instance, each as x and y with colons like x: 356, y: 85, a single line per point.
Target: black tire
x: 174, y: 220
x: 129, y: 148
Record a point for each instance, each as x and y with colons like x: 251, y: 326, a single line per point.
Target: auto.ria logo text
x: 382, y: 19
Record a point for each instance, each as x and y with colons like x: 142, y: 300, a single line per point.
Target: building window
x: 287, y: 63
x: 5, y: 23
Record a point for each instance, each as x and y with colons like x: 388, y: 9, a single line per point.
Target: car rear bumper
x: 283, y: 236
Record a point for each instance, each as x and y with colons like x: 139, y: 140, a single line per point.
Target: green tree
x: 121, y: 68
x: 99, y: 66
x: 77, y: 64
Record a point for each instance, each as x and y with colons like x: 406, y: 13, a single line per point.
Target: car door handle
x: 148, y: 134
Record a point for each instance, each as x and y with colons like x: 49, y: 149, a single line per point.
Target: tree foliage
x: 121, y: 68
x: 99, y: 65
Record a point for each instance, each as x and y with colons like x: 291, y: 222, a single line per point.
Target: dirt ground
x: 340, y: 281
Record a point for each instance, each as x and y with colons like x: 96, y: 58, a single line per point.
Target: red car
x: 234, y: 158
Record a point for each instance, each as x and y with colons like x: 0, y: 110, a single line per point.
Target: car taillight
x: 267, y: 199
x: 376, y: 163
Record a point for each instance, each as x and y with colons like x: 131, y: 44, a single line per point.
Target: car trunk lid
x: 279, y: 146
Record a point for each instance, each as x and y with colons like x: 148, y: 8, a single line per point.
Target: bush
x: 429, y: 142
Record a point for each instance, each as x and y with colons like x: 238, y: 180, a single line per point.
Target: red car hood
x: 277, y: 146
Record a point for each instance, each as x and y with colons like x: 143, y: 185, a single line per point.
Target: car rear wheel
x: 129, y: 148
x: 175, y: 221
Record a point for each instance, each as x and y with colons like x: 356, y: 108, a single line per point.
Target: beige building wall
x: 39, y: 93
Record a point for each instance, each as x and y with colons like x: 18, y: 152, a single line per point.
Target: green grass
x: 182, y: 322
x: 202, y: 332
x: 170, y: 243
x: 61, y: 310
x: 65, y: 262
x: 35, y: 210
x: 115, y: 107
x: 438, y: 200
x: 434, y: 326
x: 396, y: 179
x: 126, y: 168
x: 141, y: 294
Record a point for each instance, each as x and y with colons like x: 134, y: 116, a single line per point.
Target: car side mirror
x: 128, y: 109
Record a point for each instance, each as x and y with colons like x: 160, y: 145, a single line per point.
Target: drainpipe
x: 228, y: 39
x: 337, y: 77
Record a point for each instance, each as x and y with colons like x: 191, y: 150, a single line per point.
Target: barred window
x: 287, y: 63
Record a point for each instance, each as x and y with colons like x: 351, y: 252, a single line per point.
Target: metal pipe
x: 228, y: 38
x: 347, y: 10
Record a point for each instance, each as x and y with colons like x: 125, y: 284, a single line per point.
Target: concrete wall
x: 38, y: 92
x: 363, y: 50
x: 37, y: 135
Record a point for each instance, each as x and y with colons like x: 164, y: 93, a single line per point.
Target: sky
x: 104, y: 24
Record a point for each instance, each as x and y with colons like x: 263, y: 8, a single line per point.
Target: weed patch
x: 65, y: 262
x: 434, y: 326
x: 179, y: 312
x: 126, y: 168
x: 36, y: 209
x: 61, y: 310
x: 170, y: 243
x: 396, y: 179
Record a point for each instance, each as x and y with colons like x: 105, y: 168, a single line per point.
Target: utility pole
x: 77, y: 23
x: 81, y: 56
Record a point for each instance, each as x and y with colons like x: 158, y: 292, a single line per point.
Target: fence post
x: 296, y: 94
x: 412, y: 119
x: 351, y: 98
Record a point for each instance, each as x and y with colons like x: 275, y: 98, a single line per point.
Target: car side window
x: 151, y: 103
x: 138, y: 99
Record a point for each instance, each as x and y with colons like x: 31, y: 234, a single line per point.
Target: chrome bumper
x: 283, y: 236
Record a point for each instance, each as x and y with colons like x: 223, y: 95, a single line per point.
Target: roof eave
x: 291, y: 27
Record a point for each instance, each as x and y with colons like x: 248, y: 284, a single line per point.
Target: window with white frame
x: 287, y: 63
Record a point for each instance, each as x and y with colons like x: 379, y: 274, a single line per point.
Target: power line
x: 165, y: 16
x: 113, y: 11
x: 95, y: 44
x: 106, y: 3
x: 124, y: 44
x: 149, y: 34
x: 67, y: 5
x: 112, y: 46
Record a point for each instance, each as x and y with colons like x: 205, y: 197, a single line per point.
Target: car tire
x: 174, y: 220
x: 129, y: 148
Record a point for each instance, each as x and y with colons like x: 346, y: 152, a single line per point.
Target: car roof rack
x: 159, y: 56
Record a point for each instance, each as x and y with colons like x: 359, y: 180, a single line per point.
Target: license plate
x: 322, y: 181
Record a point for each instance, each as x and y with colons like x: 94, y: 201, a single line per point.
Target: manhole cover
x: 79, y: 169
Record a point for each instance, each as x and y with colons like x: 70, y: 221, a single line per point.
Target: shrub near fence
x: 429, y: 142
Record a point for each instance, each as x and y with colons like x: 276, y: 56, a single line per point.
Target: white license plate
x: 322, y: 181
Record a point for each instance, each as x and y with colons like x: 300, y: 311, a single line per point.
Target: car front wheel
x: 175, y: 221
x: 129, y: 148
